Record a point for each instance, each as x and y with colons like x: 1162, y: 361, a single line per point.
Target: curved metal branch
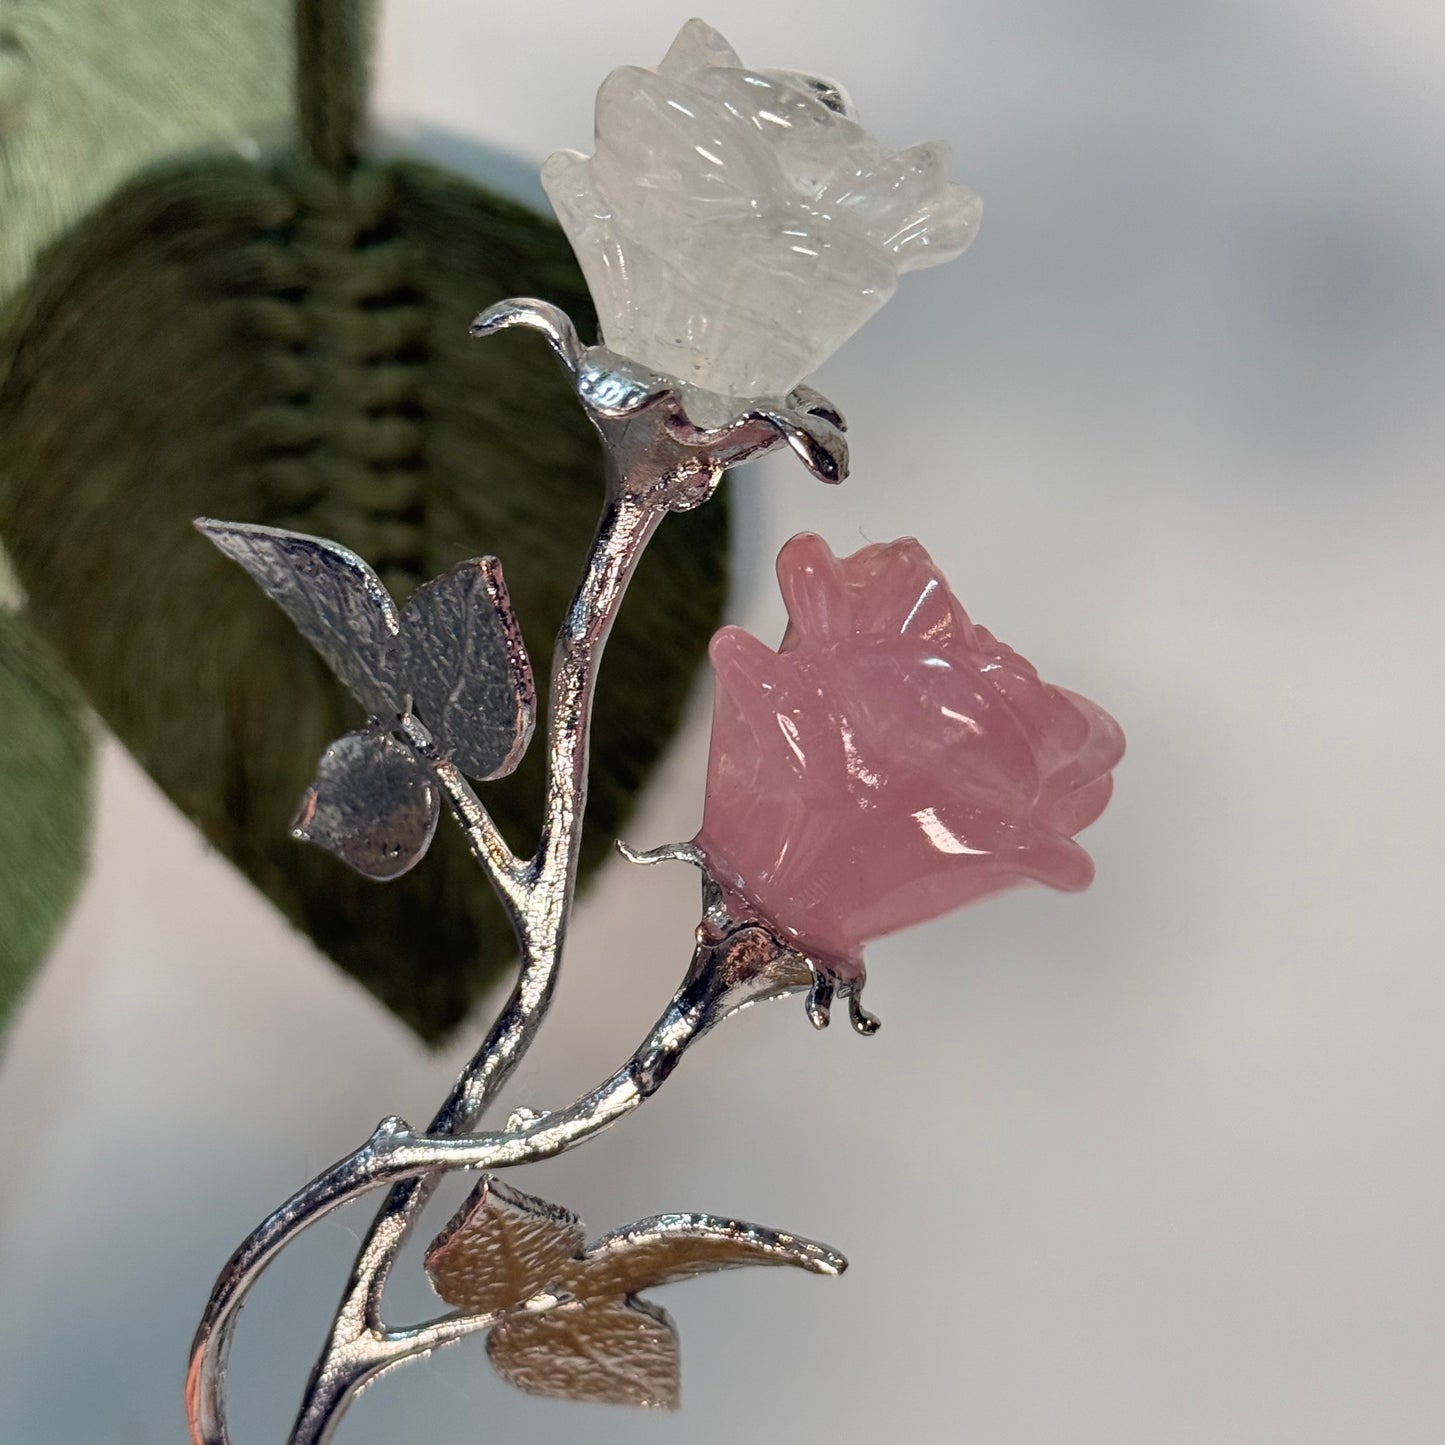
x: 541, y: 900
x: 507, y: 872
x: 657, y: 462
x: 726, y: 974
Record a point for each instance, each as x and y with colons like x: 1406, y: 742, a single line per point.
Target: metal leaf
x: 336, y: 601
x: 615, y: 1353
x: 501, y: 1248
x: 677, y: 1246
x: 603, y: 1345
x: 460, y: 656
x: 372, y: 805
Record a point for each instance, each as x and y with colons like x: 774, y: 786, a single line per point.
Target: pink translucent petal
x: 892, y: 762
x: 1075, y: 811
x: 745, y: 668
x: 1097, y: 754
x: 813, y: 591
x: 899, y: 592
x: 1057, y: 860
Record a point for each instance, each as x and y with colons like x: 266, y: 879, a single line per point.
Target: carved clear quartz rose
x: 891, y: 760
x: 737, y: 226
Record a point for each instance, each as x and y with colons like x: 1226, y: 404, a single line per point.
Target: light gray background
x: 1154, y: 1165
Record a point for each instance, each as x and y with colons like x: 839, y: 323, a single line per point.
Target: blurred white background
x: 1161, y: 1163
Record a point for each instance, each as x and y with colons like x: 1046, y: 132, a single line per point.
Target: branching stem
x: 537, y: 895
x: 654, y: 466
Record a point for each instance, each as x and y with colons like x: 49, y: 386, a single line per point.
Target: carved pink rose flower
x: 891, y: 760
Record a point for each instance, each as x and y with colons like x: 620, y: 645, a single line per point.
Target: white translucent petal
x: 697, y: 47
x: 667, y: 153
x: 591, y: 228
x: 735, y: 228
x: 938, y: 231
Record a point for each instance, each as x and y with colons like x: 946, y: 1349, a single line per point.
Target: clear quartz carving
x: 737, y: 226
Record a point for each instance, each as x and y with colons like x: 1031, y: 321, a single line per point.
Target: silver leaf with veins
x: 620, y: 1352
x: 601, y: 1343
x: 372, y: 805
x: 459, y: 655
x: 336, y: 601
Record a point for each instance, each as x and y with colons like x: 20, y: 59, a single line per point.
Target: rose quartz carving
x: 892, y: 760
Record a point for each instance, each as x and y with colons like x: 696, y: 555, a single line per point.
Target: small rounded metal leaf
x: 372, y: 805
x: 501, y: 1248
x: 459, y: 655
x: 610, y: 1353
x: 336, y: 601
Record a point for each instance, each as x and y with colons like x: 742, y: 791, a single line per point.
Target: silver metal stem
x: 540, y: 904
x: 538, y: 897
x: 507, y: 872
x: 657, y: 462
x: 727, y: 973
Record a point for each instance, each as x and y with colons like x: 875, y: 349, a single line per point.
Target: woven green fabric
x: 277, y: 344
x: 44, y: 777
x: 91, y: 90
x: 285, y: 342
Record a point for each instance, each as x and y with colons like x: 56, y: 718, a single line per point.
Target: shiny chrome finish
x: 670, y: 439
x: 659, y: 459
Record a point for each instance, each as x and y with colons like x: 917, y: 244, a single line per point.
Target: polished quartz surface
x: 734, y: 227
x: 891, y: 760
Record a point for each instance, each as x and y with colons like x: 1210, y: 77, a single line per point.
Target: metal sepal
x: 741, y: 959
x: 667, y: 435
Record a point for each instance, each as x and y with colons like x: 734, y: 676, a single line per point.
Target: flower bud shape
x: 737, y: 226
x: 892, y: 760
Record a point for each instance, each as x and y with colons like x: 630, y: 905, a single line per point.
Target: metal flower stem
x: 538, y: 896
x: 726, y: 974
x: 656, y: 462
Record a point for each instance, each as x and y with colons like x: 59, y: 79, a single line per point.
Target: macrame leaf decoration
x: 572, y: 1324
x: 89, y: 90
x: 285, y: 342
x: 44, y: 801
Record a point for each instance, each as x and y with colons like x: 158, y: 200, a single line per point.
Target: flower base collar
x: 678, y: 438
